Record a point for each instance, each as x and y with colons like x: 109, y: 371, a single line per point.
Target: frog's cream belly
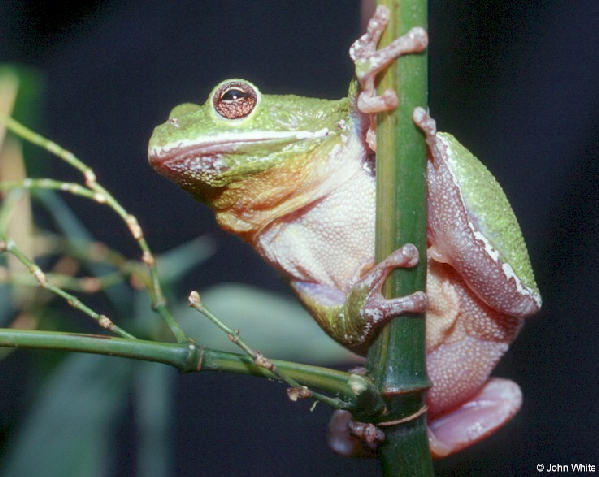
x: 317, y: 245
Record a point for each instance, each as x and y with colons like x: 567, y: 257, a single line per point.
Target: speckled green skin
x: 480, y: 190
x: 272, y: 134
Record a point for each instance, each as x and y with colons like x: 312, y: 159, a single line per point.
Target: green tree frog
x: 294, y: 177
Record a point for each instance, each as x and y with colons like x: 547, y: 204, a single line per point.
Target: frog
x: 295, y: 178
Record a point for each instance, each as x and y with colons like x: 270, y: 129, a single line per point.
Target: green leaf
x: 154, y: 385
x: 69, y: 431
x: 175, y: 263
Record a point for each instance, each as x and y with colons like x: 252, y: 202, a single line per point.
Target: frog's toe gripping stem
x: 424, y: 121
x: 352, y: 316
x: 350, y: 438
x: 489, y: 409
x: 369, y: 61
x: 387, y: 101
x: 377, y: 310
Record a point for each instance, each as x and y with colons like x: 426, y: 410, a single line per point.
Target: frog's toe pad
x: 404, y: 257
x: 388, y: 101
x: 379, y: 310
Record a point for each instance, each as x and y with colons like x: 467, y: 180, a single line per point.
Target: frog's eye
x: 235, y: 100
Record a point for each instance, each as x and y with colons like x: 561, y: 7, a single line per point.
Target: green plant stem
x: 353, y: 391
x: 397, y: 359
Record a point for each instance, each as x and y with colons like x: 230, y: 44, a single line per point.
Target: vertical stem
x: 397, y: 359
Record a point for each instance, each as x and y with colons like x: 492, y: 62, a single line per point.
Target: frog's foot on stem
x: 369, y: 61
x: 349, y: 438
x: 428, y: 125
x: 352, y: 317
x: 377, y: 310
x: 485, y: 412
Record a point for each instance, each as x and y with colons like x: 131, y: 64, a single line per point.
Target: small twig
x: 397, y: 422
x: 101, y: 252
x: 296, y: 391
x: 7, y: 245
x: 64, y: 281
x: 51, y: 184
x: 94, y: 190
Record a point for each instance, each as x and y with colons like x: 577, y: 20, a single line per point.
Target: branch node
x: 194, y: 299
x: 106, y: 322
x: 90, y: 177
x: 264, y: 362
x: 134, y: 227
x: 39, y: 275
x: 148, y: 258
x: 356, y: 383
x: 299, y: 392
x: 100, y: 198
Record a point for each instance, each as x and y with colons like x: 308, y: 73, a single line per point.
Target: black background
x: 515, y: 81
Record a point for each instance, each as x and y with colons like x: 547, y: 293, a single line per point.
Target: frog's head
x: 240, y: 132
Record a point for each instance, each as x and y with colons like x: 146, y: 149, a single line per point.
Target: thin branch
x: 297, y: 391
x: 9, y: 246
x: 353, y: 391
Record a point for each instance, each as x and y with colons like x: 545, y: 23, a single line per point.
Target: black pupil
x: 233, y: 95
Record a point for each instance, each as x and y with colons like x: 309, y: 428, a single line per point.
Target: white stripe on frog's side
x: 490, y: 251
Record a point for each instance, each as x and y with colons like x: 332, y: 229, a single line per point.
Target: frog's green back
x: 491, y: 210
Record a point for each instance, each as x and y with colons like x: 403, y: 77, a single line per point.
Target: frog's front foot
x: 353, y: 316
x: 369, y: 61
x: 376, y: 310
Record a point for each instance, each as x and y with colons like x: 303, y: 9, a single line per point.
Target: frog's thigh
x: 317, y: 294
x: 465, y: 339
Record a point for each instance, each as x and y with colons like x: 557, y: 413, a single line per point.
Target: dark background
x: 515, y: 81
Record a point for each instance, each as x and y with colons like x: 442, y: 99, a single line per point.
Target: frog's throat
x: 246, y: 207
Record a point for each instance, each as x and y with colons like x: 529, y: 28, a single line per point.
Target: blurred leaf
x: 27, y: 106
x: 70, y: 430
x: 80, y: 239
x: 178, y: 261
x: 278, y: 327
x: 154, y: 384
x: 9, y: 84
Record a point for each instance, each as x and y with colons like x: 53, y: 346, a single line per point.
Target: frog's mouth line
x: 227, y: 143
x: 208, y: 158
x: 202, y: 158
